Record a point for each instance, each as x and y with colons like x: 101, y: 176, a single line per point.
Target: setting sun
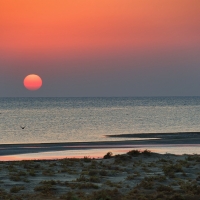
x: 32, y: 82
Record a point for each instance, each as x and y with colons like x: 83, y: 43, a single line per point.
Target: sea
x: 58, y: 119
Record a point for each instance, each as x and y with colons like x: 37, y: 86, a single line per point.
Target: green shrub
x: 31, y: 172
x: 87, y: 159
x: 103, y: 173
x: 122, y: 158
x: 146, y: 184
x: 93, y: 172
x: 146, y: 152
x: 105, y: 195
x: 88, y: 186
x: 170, y: 170
x: 164, y: 188
x: 84, y: 185
x: 81, y: 178
x: 94, y: 179
x: 45, y: 189
x: 16, y: 189
x: 48, y: 172
x: 21, y: 173
x: 69, y: 196
x: 108, y: 155
x: 15, y: 177
x: 50, y: 182
x: 134, y: 153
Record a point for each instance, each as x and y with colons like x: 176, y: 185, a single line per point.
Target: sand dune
x: 134, y: 175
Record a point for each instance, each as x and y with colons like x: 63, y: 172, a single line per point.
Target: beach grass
x: 140, y: 175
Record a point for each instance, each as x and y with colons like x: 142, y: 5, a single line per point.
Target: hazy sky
x: 101, y: 47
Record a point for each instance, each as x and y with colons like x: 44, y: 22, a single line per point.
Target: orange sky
x: 100, y: 47
x: 59, y: 26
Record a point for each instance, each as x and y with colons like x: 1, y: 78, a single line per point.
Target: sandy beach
x: 135, y: 175
x: 132, y: 175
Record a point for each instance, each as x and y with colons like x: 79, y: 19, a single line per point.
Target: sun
x: 32, y: 82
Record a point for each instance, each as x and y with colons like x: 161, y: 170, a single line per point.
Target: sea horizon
x: 88, y: 119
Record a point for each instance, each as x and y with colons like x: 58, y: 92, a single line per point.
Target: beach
x: 128, y: 173
x: 143, y: 141
x: 134, y: 175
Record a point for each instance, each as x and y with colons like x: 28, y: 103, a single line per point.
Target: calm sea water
x: 89, y: 119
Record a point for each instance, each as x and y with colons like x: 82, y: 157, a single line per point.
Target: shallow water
x: 89, y: 119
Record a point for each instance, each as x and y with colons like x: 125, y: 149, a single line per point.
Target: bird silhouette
x: 22, y: 127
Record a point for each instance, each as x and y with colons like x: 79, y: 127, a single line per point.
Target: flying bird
x: 22, y: 127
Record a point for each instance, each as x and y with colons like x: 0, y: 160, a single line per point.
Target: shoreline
x: 158, y: 139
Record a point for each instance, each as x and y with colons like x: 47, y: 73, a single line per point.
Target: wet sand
x: 189, y: 138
